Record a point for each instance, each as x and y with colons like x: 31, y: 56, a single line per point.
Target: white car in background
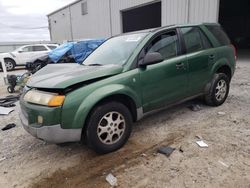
x: 24, y: 54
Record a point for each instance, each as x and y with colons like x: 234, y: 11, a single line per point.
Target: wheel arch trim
x: 10, y: 58
x: 97, y: 96
x: 219, y: 64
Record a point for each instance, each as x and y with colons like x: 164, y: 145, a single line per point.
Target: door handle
x: 211, y: 57
x: 180, y: 66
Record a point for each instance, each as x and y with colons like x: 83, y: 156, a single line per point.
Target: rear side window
x: 206, y: 43
x: 52, y: 47
x: 39, y: 48
x: 165, y: 44
x: 219, y: 34
x: 194, y: 39
x: 27, y: 49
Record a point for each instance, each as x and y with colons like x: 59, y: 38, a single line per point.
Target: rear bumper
x: 52, y: 134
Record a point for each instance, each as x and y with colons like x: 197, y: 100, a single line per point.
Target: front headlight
x: 44, y: 98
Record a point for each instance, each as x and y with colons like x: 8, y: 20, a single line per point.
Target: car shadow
x: 16, y: 69
x: 153, y: 119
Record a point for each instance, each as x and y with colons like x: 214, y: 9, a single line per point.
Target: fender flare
x: 98, y: 95
x: 218, y: 64
x: 5, y: 58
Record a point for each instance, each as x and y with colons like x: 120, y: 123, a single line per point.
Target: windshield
x: 116, y: 50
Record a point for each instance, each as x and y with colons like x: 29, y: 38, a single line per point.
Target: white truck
x: 24, y: 54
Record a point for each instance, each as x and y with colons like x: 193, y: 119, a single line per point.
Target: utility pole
x: 188, y: 6
x: 4, y: 70
x: 70, y: 22
x: 110, y: 18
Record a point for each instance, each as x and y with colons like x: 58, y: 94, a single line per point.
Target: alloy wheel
x: 221, y: 90
x: 111, y: 128
x: 8, y: 65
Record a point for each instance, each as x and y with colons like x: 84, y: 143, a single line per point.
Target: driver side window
x: 165, y: 44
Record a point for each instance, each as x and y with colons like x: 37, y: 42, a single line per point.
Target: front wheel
x: 10, y: 89
x: 109, y: 127
x: 219, y: 90
x: 9, y: 64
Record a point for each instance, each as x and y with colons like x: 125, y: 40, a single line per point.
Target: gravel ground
x: 28, y: 162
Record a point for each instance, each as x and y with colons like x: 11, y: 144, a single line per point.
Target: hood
x: 6, y: 54
x: 61, y: 76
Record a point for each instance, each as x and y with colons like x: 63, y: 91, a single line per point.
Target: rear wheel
x: 219, y: 90
x: 9, y: 64
x: 109, y: 127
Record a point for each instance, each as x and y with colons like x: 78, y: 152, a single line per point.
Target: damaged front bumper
x: 51, y: 134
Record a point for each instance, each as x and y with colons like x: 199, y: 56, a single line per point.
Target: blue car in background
x: 77, y: 50
x: 70, y: 52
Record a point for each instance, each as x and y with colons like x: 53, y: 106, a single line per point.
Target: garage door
x: 235, y: 18
x: 143, y: 17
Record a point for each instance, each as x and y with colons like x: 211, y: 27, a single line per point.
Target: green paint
x: 148, y: 87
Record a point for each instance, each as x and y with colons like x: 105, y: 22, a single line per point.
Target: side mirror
x: 151, y: 58
x: 20, y: 51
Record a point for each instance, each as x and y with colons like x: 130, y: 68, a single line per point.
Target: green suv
x: 123, y: 80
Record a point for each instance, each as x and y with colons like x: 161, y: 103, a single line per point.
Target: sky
x: 19, y: 19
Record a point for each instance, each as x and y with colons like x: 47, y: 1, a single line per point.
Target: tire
x: 219, y: 90
x: 37, y: 63
x: 10, y: 89
x: 9, y: 64
x: 108, y: 127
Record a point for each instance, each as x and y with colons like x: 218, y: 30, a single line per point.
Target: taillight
x: 235, y: 51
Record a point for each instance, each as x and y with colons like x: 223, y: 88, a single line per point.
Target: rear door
x: 164, y: 82
x: 38, y: 51
x: 52, y: 47
x: 200, y: 57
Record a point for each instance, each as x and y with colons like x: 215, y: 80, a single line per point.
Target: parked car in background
x: 24, y: 54
x: 123, y: 80
x: 70, y: 52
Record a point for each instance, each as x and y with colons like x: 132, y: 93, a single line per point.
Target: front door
x: 165, y: 82
x: 24, y: 54
x: 31, y: 53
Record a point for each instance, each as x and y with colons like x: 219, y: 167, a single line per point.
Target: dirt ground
x: 28, y: 162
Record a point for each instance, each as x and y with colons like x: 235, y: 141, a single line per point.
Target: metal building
x: 85, y: 19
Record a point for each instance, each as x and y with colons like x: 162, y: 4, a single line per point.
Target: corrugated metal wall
x: 203, y: 11
x: 173, y: 11
x: 60, y: 26
x: 104, y: 16
x: 116, y: 7
x: 95, y: 24
x: 69, y: 23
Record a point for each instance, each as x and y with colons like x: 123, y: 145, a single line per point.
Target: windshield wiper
x: 96, y: 64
